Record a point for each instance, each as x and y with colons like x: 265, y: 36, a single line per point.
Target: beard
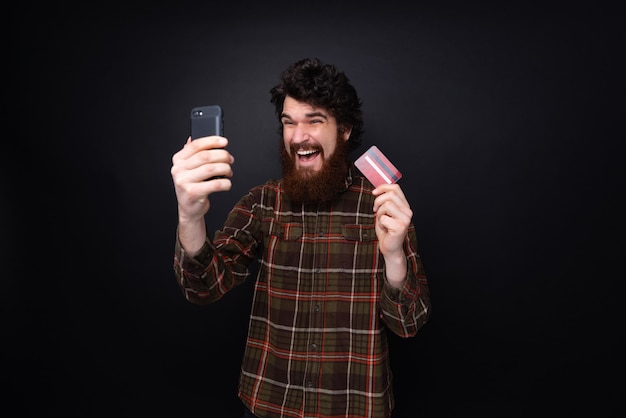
x: 306, y: 186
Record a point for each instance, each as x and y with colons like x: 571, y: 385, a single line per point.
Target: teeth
x: 309, y: 152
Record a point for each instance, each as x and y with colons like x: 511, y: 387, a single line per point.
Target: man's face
x: 309, y: 134
x: 315, y: 153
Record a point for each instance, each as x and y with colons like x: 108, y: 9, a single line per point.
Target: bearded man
x: 338, y: 261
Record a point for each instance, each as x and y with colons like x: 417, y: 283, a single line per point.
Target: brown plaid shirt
x: 317, y: 342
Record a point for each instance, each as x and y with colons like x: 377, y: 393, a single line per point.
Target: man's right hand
x: 192, y: 170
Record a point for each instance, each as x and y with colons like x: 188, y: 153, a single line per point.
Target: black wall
x: 506, y: 122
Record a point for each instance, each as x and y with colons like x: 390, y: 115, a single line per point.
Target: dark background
x: 506, y: 122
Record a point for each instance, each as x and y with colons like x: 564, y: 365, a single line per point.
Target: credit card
x: 377, y: 168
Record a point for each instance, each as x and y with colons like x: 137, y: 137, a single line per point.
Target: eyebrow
x: 308, y: 115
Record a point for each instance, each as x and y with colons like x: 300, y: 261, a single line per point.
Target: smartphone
x: 207, y: 121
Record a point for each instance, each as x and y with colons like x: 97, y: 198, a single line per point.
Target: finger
x: 221, y: 184
x: 197, y: 183
x: 205, y: 160
x: 393, y: 194
x: 209, y: 142
x: 386, y: 188
x: 209, y: 171
x: 398, y: 209
x: 212, y: 156
x: 192, y: 147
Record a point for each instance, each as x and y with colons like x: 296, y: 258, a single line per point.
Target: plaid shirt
x: 316, y: 343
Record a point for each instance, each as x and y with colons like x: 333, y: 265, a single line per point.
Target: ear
x: 345, y: 132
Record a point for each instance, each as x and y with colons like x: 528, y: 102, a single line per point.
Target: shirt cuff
x: 403, y: 295
x: 394, y: 294
x: 198, y: 264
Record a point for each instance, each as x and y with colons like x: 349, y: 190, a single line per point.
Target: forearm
x: 396, y: 269
x: 405, y: 298
x: 208, y: 268
x: 192, y: 235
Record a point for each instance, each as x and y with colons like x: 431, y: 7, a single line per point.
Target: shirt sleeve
x: 222, y: 263
x: 407, y: 309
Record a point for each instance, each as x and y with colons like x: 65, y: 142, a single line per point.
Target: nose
x: 299, y: 134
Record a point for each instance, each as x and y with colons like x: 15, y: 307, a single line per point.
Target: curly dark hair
x: 321, y: 85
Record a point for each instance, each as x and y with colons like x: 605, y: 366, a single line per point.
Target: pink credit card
x: 377, y: 168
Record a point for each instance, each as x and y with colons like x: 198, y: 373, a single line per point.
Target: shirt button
x: 314, y: 347
x: 317, y: 308
x: 309, y: 384
x: 321, y: 233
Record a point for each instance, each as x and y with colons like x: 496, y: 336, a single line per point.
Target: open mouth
x: 307, y: 155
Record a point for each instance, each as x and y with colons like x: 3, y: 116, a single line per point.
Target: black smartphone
x: 207, y: 121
